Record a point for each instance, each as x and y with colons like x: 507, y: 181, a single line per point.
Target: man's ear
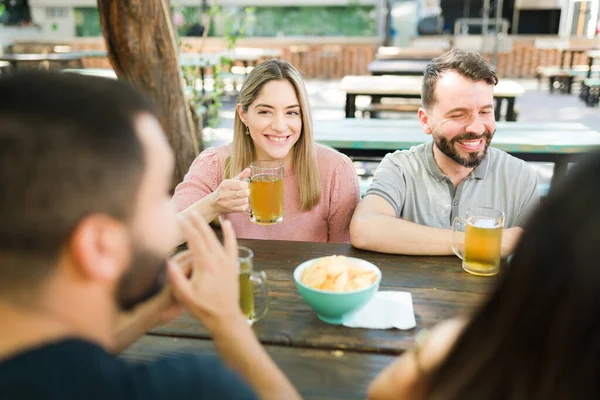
x: 424, y: 120
x: 99, y: 248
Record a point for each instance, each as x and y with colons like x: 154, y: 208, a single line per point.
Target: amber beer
x: 477, y: 240
x: 266, y: 199
x: 248, y: 280
x: 266, y: 192
x: 483, y: 239
x: 246, y: 291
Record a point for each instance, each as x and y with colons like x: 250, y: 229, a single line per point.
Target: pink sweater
x: 328, y: 221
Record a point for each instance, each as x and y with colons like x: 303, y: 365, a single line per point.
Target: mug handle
x: 458, y: 237
x: 248, y: 210
x: 260, y: 279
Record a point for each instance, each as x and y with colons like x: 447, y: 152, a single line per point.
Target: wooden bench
x: 373, y: 109
x: 555, y: 75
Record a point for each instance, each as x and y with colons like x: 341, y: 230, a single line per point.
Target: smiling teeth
x: 277, y: 138
x: 471, y: 144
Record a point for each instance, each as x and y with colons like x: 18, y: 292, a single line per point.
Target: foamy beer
x: 477, y: 240
x: 266, y: 192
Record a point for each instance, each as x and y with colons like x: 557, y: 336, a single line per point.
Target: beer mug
x: 477, y: 240
x: 249, y: 279
x: 266, y: 192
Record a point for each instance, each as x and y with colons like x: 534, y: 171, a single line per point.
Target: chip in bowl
x: 337, y: 274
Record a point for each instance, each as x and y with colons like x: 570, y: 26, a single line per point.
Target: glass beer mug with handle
x: 248, y: 279
x: 266, y: 192
x: 477, y: 240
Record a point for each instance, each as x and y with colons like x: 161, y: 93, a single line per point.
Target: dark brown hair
x: 68, y: 148
x: 469, y: 64
x: 538, y: 335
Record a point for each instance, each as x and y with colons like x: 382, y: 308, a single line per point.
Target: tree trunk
x: 142, y: 49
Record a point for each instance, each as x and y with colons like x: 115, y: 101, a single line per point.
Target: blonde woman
x: 273, y: 122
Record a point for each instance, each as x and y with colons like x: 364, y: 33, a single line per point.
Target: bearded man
x: 417, y: 193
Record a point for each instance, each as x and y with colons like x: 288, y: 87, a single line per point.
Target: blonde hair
x: 304, y: 158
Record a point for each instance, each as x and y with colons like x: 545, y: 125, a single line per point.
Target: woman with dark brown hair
x: 538, y: 335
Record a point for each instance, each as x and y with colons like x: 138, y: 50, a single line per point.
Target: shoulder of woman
x: 331, y: 158
x: 213, y: 155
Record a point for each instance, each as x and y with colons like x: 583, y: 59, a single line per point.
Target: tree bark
x: 142, y: 49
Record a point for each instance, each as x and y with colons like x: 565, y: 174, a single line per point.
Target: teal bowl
x: 336, y: 307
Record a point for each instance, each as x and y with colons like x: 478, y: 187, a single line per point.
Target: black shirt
x: 76, y: 369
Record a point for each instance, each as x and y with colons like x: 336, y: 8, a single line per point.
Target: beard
x: 144, y: 279
x: 448, y: 148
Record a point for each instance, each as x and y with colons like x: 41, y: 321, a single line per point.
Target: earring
x: 247, y: 131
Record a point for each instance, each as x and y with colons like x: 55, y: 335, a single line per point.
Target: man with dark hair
x: 85, y: 229
x: 417, y: 193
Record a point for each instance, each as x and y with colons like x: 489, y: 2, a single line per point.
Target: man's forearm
x: 132, y: 325
x: 240, y: 349
x: 203, y: 207
x: 386, y: 234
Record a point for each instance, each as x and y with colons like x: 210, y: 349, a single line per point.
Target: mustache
x: 471, y: 136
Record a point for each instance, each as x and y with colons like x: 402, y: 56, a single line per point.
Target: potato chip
x: 314, y: 276
x: 337, y: 274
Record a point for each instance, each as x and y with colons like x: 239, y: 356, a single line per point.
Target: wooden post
x: 142, y: 49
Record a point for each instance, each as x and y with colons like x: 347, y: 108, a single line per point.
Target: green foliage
x: 87, y: 21
x: 350, y: 20
x: 353, y: 20
x: 209, y: 104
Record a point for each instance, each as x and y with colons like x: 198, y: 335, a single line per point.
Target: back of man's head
x: 469, y: 64
x: 68, y: 149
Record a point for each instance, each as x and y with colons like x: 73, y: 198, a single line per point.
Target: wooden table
x: 63, y: 58
x: 407, y: 53
x: 557, y: 142
x: 101, y: 72
x: 4, y: 65
x: 327, y: 361
x: 398, y: 67
x: 409, y: 87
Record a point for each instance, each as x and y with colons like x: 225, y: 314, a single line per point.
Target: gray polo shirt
x: 418, y: 190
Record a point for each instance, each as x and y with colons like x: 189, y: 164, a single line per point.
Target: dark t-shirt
x: 76, y: 369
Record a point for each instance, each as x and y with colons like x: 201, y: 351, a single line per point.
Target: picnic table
x: 64, y: 59
x: 407, y: 53
x: 364, y: 139
x: 409, y: 87
x: 564, y: 74
x: 328, y: 361
x: 398, y: 67
x: 4, y: 65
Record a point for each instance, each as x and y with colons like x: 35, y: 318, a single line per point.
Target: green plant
x: 208, y: 104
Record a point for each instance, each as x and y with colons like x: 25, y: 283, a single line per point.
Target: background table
x: 64, y: 59
x: 409, y: 87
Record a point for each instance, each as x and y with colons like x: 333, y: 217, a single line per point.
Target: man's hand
x: 211, y: 293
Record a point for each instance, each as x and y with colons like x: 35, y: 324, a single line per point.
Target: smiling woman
x: 273, y: 122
